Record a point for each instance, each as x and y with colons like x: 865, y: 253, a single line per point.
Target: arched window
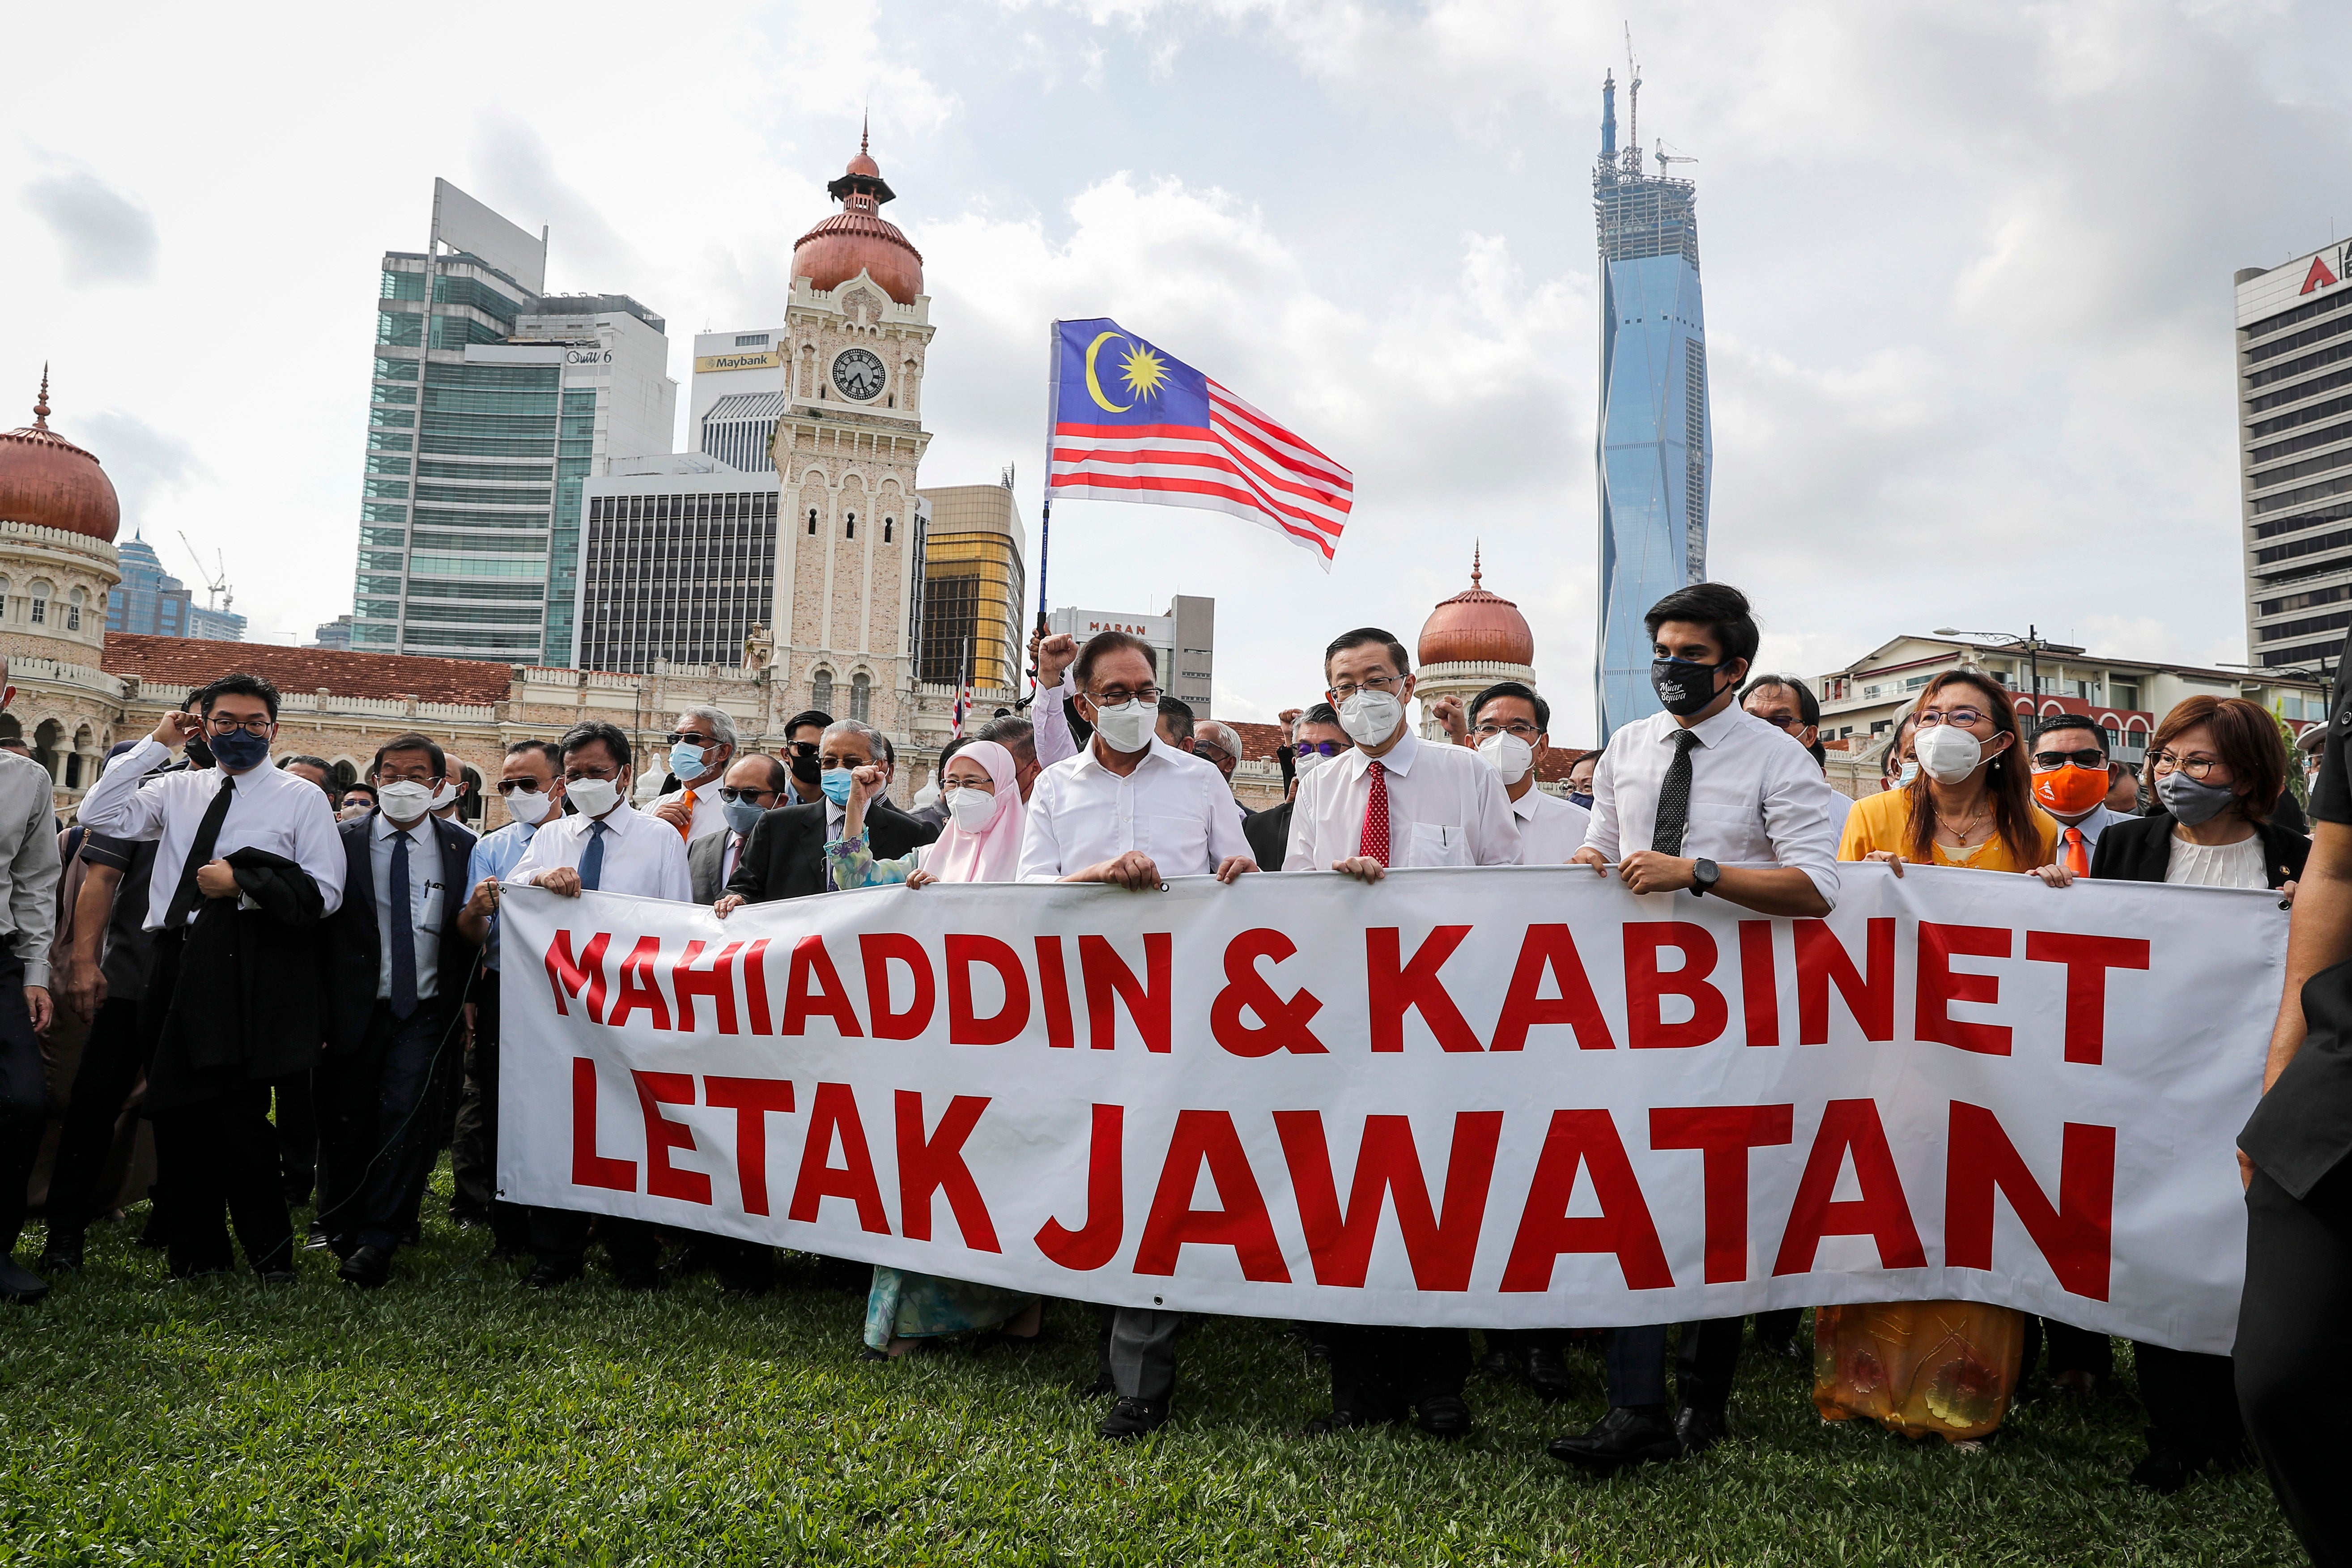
x: 889, y: 524
x: 40, y: 615
x: 3, y: 598
x: 820, y: 691
x: 812, y: 522
x: 850, y: 530
x: 861, y: 698
x: 74, y: 602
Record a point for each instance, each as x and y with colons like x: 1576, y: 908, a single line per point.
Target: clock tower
x: 849, y: 557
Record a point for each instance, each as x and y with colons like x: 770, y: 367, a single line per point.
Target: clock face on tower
x: 857, y: 373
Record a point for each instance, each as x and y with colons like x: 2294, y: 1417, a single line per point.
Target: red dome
x: 857, y: 238
x: 47, y: 480
x: 1476, y: 626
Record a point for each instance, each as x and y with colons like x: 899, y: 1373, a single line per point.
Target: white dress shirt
x: 1447, y: 807
x: 1550, y: 829
x: 644, y: 855
x: 1757, y: 797
x: 425, y: 892
x: 274, y: 810
x: 1049, y: 724
x: 709, y: 811
x: 2098, y: 822
x: 495, y: 853
x: 1173, y: 807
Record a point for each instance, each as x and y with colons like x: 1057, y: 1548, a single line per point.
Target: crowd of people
x: 200, y: 888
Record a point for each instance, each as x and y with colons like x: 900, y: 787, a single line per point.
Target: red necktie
x: 1374, y: 844
x: 2078, y: 858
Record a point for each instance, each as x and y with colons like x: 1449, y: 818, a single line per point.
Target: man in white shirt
x: 1704, y: 797
x: 215, y: 1148
x: 1511, y: 726
x: 700, y: 748
x: 607, y: 846
x: 1130, y: 810
x: 1788, y: 704
x: 1394, y: 800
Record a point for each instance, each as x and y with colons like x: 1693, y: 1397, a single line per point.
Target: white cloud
x: 107, y: 236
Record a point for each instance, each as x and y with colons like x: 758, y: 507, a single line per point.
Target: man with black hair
x: 1787, y: 703
x: 2071, y: 781
x: 397, y: 964
x: 246, y: 863
x: 317, y: 770
x: 1511, y: 727
x: 607, y: 846
x: 358, y: 801
x: 1315, y: 740
x: 803, y: 737
x: 1705, y: 798
x: 29, y: 867
x: 1177, y: 726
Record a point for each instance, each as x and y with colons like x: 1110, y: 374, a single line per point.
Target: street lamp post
x: 2031, y: 642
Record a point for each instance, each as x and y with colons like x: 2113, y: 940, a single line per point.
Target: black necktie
x: 592, y: 864
x: 187, y: 896
x: 1674, y: 798
x: 403, y: 934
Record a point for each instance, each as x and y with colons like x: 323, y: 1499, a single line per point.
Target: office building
x: 737, y: 396
x: 973, y: 586
x: 1183, y: 643
x: 2294, y: 449
x: 493, y: 403
x: 335, y: 634
x: 677, y: 564
x: 151, y: 602
x: 1655, y: 456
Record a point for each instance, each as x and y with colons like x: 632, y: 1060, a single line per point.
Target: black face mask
x: 1685, y: 687
x: 200, y: 754
x: 804, y: 768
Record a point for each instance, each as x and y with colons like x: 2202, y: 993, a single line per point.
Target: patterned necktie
x: 186, y: 896
x: 592, y: 864
x: 1374, y: 842
x: 403, y: 934
x: 685, y: 828
x: 1674, y: 798
x: 2078, y: 858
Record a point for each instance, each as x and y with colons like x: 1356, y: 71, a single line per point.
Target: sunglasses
x: 1321, y: 748
x: 2050, y: 762
x: 731, y: 794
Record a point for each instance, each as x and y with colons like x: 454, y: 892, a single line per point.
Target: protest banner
x: 1504, y: 1096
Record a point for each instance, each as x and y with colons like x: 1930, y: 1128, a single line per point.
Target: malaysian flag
x: 1133, y: 423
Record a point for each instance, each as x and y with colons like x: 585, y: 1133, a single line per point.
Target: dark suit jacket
x: 2139, y: 850
x: 356, y: 946
x: 1269, y: 833
x: 705, y: 857
x: 785, y: 856
x: 245, y: 1002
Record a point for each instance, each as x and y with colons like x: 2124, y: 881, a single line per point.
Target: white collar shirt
x: 644, y: 855
x: 1550, y: 829
x: 2098, y: 822
x: 709, y: 811
x: 426, y: 893
x: 271, y: 809
x: 1757, y: 798
x: 1447, y: 807
x: 495, y: 853
x: 1173, y: 807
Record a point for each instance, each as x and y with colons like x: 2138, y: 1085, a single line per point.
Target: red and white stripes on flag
x: 1242, y: 462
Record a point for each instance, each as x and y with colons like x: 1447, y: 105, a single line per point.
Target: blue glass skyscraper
x: 1656, y: 448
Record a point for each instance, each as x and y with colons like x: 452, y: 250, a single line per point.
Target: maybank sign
x: 770, y: 360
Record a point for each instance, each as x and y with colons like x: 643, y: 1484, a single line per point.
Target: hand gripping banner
x: 1510, y: 1097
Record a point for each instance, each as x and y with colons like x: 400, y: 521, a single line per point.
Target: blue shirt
x: 496, y: 855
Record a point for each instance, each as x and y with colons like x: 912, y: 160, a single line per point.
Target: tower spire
x: 41, y: 403
x: 864, y: 125
x: 1475, y: 575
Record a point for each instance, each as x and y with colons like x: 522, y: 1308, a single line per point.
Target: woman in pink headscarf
x: 981, y: 843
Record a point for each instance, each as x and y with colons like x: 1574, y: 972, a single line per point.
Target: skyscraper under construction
x: 1655, y: 456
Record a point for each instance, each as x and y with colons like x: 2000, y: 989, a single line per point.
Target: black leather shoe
x: 1131, y: 1418
x: 62, y: 1253
x: 1547, y: 1374
x: 1698, y: 1428
x: 20, y: 1284
x: 2165, y: 1470
x: 1626, y: 1435
x: 548, y: 1275
x: 1445, y: 1415
x: 368, y: 1268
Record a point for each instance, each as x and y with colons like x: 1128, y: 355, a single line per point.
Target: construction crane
x: 216, y: 582
x: 1632, y: 107
x: 1666, y: 158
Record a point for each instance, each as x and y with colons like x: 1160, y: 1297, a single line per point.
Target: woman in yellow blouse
x: 1942, y: 1367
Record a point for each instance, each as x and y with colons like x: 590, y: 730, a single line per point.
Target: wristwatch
x: 1705, y: 874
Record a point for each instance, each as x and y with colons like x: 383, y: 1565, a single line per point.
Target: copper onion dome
x: 1476, y: 626
x: 858, y: 239
x: 47, y: 480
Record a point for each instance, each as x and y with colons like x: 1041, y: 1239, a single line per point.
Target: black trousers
x: 24, y: 1099
x: 376, y: 1140
x: 223, y: 1154
x: 117, y: 1052
x: 2191, y: 1402
x: 1379, y: 1371
x: 296, y: 1118
x: 478, y: 1123
x: 1704, y: 1367
x: 560, y: 1236
x: 2294, y: 1379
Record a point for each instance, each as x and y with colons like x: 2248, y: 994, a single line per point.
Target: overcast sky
x: 1967, y: 270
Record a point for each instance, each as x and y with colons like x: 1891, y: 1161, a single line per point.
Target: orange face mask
x: 2071, y: 791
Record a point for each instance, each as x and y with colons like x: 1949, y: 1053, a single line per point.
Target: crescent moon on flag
x: 1094, y: 386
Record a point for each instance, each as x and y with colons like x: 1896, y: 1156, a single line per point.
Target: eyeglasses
x: 731, y: 794
x: 579, y: 771
x: 1117, y: 696
x: 690, y: 737
x: 2195, y: 767
x: 1210, y: 748
x: 1965, y: 717
x: 1375, y: 683
x: 231, y: 726
x: 1519, y: 727
x: 802, y: 748
x: 1321, y: 748
x: 2051, y: 762
x: 1788, y: 721
x: 528, y: 786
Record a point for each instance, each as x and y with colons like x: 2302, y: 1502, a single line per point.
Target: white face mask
x: 1304, y: 763
x: 529, y: 807
x: 594, y: 797
x: 1371, y: 717
x: 970, y: 808
x: 1948, y: 753
x: 1127, y: 727
x: 1507, y: 755
x: 447, y: 795
x: 403, y: 802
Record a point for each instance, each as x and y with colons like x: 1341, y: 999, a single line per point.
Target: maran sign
x: 770, y: 360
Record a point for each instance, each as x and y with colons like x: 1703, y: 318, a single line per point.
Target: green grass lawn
x: 456, y: 1417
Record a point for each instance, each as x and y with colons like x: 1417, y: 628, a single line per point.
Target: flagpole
x: 1045, y: 511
